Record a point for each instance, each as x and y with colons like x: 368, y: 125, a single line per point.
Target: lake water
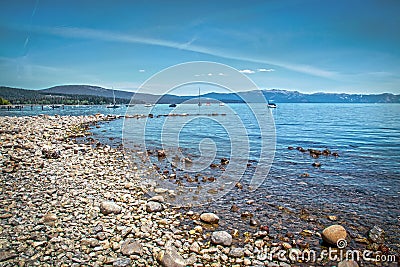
x: 361, y: 186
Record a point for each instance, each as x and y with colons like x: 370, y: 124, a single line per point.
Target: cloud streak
x: 265, y: 70
x: 247, y: 71
x: 85, y: 33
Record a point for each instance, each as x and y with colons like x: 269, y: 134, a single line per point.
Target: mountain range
x: 101, y: 95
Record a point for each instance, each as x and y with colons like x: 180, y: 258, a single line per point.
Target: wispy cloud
x: 85, y: 33
x: 247, y: 71
x: 265, y: 70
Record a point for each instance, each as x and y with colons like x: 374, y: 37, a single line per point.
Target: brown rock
x: 108, y: 207
x: 348, y: 263
x: 49, y: 217
x: 130, y: 247
x: 209, y: 217
x: 333, y: 234
x: 170, y: 258
x: 6, y: 255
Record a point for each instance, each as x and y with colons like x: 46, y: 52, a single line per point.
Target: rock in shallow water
x: 333, y: 234
x: 377, y: 234
x: 221, y: 238
x: 108, y: 207
x: 209, y: 217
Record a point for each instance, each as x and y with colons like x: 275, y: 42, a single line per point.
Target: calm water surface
x: 361, y: 186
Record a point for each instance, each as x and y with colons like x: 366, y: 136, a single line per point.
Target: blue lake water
x: 362, y: 185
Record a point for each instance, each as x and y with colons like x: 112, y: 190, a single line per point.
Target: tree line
x: 17, y: 96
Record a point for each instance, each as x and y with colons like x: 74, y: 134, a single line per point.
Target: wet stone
x: 221, y: 238
x: 377, y: 234
x: 333, y: 234
x: 209, y: 217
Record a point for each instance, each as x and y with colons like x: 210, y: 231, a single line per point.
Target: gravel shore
x: 64, y: 203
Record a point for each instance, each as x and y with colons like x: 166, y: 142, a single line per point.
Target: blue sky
x: 309, y: 46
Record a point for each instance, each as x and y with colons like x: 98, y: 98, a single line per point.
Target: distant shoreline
x: 93, y: 95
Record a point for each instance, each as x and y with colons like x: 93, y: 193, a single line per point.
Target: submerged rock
x: 224, y: 161
x: 377, y: 234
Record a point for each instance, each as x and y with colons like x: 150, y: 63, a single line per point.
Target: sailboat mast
x: 199, y: 98
x: 113, y: 95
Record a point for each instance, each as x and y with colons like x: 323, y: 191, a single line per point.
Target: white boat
x: 271, y: 104
x: 148, y: 105
x: 113, y: 105
x: 222, y: 104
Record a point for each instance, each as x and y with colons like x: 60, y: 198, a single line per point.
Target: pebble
x: 194, y: 247
x: 153, y: 206
x: 377, y: 234
x: 108, y: 207
x: 221, y: 238
x: 122, y: 262
x: 236, y: 252
x: 209, y: 217
x: 49, y: 217
x: 170, y: 258
x: 254, y: 222
x: 157, y: 198
x: 130, y: 247
x: 348, y: 263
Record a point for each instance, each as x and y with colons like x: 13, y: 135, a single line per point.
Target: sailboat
x: 199, y: 103
x: 113, y: 105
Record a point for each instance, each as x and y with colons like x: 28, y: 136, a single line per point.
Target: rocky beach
x: 69, y: 200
